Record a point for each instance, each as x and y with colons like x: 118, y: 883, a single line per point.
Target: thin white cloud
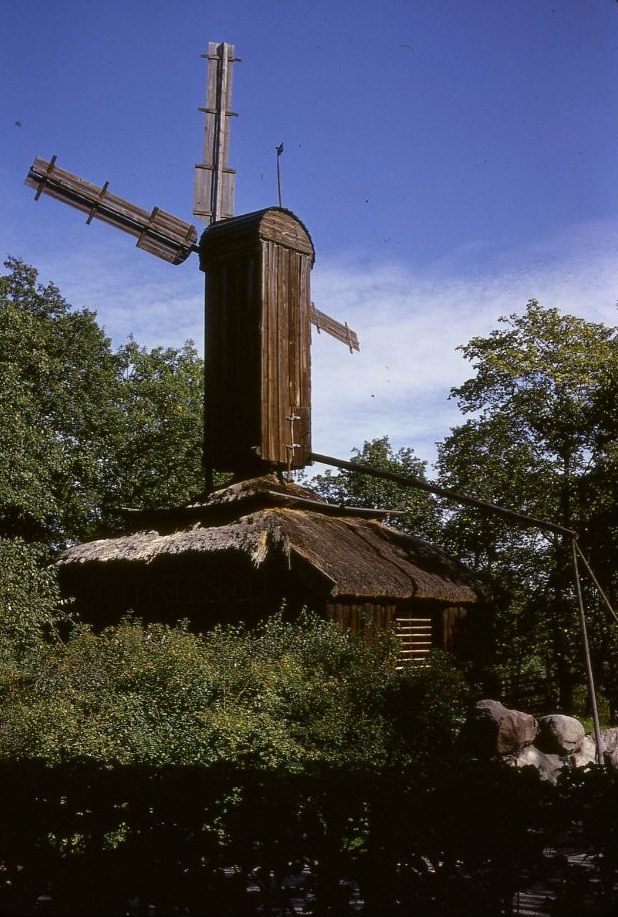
x: 411, y: 324
x: 410, y: 320
x: 131, y: 291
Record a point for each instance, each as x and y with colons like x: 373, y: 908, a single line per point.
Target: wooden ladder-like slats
x: 157, y: 231
x: 415, y: 638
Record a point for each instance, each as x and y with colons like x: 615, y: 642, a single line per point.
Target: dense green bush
x: 282, y: 732
x: 32, y: 614
x: 145, y: 759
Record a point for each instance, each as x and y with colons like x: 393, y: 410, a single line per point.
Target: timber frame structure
x: 258, y: 308
x: 242, y: 551
x: 256, y: 545
x: 257, y: 342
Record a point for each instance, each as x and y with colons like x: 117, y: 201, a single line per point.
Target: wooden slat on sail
x: 157, y: 232
x: 342, y: 332
x: 214, y: 180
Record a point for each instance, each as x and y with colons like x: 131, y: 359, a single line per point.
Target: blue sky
x: 451, y: 158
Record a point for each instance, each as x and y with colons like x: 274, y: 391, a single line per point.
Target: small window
x: 415, y: 637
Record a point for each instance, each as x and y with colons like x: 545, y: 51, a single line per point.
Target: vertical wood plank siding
x: 232, y: 364
x: 286, y: 333
x: 418, y: 627
x: 357, y: 617
x: 258, y: 337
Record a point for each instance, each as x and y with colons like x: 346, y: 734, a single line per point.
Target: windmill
x: 258, y: 308
x: 258, y: 418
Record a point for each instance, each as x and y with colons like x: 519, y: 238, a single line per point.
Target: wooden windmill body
x: 239, y: 552
x: 258, y: 308
x: 258, y: 337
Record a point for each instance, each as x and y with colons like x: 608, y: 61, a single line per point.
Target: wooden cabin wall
x: 421, y: 626
x: 415, y: 626
x: 453, y: 621
x: 210, y: 590
x: 358, y: 616
x: 468, y: 633
x: 206, y: 592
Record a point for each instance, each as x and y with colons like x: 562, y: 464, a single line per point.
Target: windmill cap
x: 276, y: 224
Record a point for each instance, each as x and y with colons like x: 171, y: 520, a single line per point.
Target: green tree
x: 32, y: 615
x: 284, y: 695
x: 160, y: 396
x: 145, y: 759
x: 540, y: 440
x: 86, y: 431
x: 414, y: 511
x: 57, y: 385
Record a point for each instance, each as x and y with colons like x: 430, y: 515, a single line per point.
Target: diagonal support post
x: 587, y: 660
x: 514, y: 517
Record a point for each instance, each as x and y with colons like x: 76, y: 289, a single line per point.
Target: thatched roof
x: 348, y: 553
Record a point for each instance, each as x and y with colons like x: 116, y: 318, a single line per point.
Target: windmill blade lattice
x: 157, y: 232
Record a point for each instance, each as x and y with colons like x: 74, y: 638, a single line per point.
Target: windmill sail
x: 161, y: 233
x: 341, y: 331
x: 214, y: 180
x: 157, y: 232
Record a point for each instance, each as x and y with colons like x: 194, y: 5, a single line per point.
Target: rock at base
x: 548, y: 766
x: 560, y: 734
x: 494, y: 729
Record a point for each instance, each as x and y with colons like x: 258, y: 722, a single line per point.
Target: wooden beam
x: 418, y: 483
x: 341, y: 332
x: 157, y: 232
x: 214, y: 180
